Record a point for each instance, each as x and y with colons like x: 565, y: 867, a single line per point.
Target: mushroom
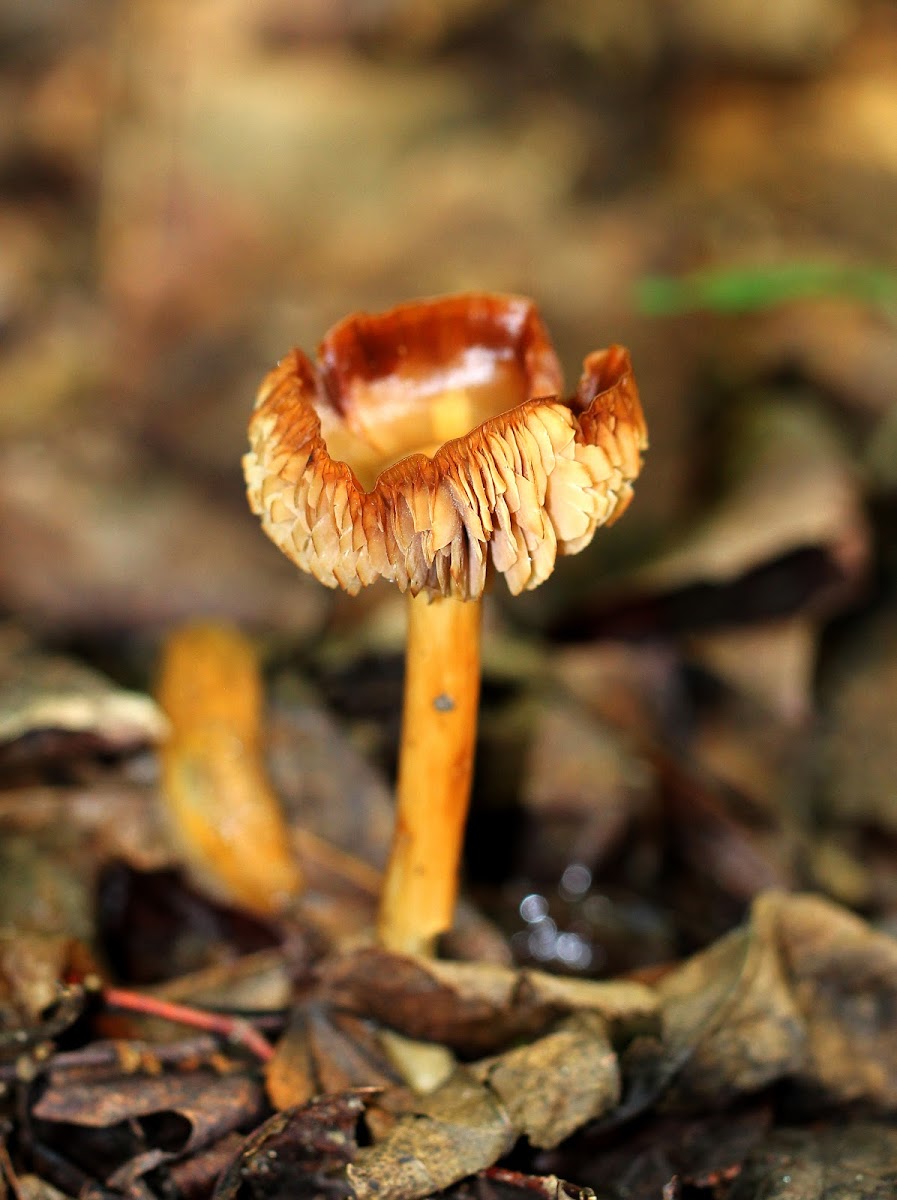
x: 428, y: 446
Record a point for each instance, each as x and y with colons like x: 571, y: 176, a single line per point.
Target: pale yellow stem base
x: 442, y: 683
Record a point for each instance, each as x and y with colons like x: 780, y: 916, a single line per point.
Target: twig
x: 234, y: 1028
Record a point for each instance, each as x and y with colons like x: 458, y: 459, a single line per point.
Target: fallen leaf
x: 788, y: 485
x: 856, y: 1162
x: 454, y: 1131
x: 41, y: 692
x: 323, y: 1050
x: 858, y: 751
x: 301, y: 1152
x: 802, y: 993
x: 556, y: 1084
x: 177, y: 1113
x: 475, y: 1007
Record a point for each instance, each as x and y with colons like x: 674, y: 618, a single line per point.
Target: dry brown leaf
x: 856, y: 1162
x: 789, y: 486
x: 859, y: 741
x: 456, y: 1130
x: 96, y: 539
x: 475, y: 1007
x: 802, y: 993
x: 325, y: 1051
x: 41, y: 692
x: 558, y: 1083
x: 312, y: 1144
x: 205, y: 1106
x: 543, y: 1090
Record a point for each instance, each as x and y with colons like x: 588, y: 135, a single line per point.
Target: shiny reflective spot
x: 575, y: 881
x: 533, y: 907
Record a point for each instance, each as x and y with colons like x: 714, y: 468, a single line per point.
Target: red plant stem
x: 234, y: 1028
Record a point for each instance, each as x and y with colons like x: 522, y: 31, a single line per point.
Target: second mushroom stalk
x: 430, y: 446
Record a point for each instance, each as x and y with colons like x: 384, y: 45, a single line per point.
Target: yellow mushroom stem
x: 442, y: 684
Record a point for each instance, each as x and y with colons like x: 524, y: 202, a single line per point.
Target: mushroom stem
x: 442, y: 683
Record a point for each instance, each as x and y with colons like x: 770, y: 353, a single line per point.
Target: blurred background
x: 701, y: 705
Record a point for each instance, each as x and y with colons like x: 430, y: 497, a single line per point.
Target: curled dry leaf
x: 324, y: 1050
x: 223, y: 811
x: 475, y: 1007
x: 803, y: 993
x: 556, y: 1084
x: 299, y: 1148
x: 206, y: 1105
x: 457, y: 1130
x: 42, y: 693
x: 543, y: 1090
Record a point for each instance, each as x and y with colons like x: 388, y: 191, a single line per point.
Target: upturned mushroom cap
x: 430, y: 437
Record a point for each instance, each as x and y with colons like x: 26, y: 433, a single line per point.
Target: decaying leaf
x: 326, y: 784
x: 475, y: 1007
x: 42, y: 693
x: 299, y: 1152
x: 558, y: 1083
x: 859, y: 747
x: 854, y: 1162
x: 803, y: 993
x: 200, y: 1107
x: 542, y: 1090
x: 323, y: 1050
x: 789, y: 486
x: 456, y: 1130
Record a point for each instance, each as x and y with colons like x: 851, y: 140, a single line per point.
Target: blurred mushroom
x: 222, y: 810
x: 427, y: 441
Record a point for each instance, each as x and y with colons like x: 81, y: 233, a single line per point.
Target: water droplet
x: 533, y: 908
x: 543, y: 940
x: 575, y: 881
x: 571, y: 949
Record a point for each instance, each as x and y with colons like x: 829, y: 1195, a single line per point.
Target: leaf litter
x: 724, y: 661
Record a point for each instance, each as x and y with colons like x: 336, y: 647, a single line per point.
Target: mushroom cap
x: 428, y: 438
